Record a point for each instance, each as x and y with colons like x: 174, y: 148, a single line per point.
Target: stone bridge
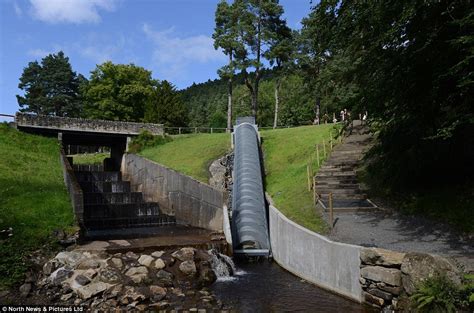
x: 87, y: 132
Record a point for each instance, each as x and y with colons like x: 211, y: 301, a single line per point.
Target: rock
x: 188, y: 268
x: 86, y: 292
x: 82, y: 280
x: 157, y: 254
x: 110, y: 275
x: 389, y: 276
x: 362, y: 281
x: 372, y: 299
x: 132, y: 295
x: 145, y: 260
x: 137, y: 274
x: 217, y: 171
x: 117, y: 262
x: 184, y: 254
x: 131, y: 255
x: 160, y: 305
x: 66, y: 296
x: 88, y: 263
x: 60, y: 275
x: 90, y: 273
x: 123, y: 243
x: 381, y: 294
x: 49, y: 267
x: 393, y: 290
x: 25, y: 289
x: 165, y: 278
x: 207, y: 276
x: 157, y: 293
x: 417, y: 267
x: 159, y: 264
x: 71, y: 258
x: 376, y: 256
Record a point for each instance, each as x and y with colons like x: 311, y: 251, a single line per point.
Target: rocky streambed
x: 155, y: 280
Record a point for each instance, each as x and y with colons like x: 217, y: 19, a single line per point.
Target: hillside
x: 33, y: 199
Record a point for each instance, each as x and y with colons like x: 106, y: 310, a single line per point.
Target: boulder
x: 165, y: 278
x: 49, y: 267
x: 117, y: 262
x: 131, y: 255
x: 86, y: 292
x: 88, y: 263
x: 110, y: 275
x: 188, y: 268
x: 184, y: 254
x: 137, y: 274
x: 372, y: 299
x: 82, y: 280
x: 60, y: 275
x: 389, y: 276
x: 376, y: 256
x: 159, y: 264
x: 207, y: 276
x: 25, y: 289
x: 158, y: 254
x: 157, y: 293
x: 71, y: 258
x: 417, y: 267
x: 145, y: 260
x: 381, y: 294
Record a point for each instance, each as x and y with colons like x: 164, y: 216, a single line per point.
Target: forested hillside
x: 207, y: 102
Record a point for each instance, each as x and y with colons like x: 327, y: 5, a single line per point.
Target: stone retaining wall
x: 85, y: 125
x: 190, y: 201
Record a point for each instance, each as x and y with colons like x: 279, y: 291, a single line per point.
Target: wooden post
x: 212, y: 130
x: 324, y: 148
x: 315, y: 194
x: 309, y: 177
x: 179, y: 130
x: 195, y: 130
x: 331, y: 211
x: 330, y: 144
x: 317, y: 154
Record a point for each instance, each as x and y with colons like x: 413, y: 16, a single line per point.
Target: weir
x: 249, y: 216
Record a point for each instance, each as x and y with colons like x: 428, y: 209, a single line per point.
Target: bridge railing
x: 208, y: 130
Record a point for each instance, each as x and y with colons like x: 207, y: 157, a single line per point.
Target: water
x: 266, y: 287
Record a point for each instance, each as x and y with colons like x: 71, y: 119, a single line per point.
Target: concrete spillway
x: 249, y: 217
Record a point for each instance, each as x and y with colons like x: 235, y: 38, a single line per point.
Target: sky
x: 172, y: 38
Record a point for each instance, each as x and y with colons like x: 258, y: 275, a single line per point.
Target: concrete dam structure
x: 249, y: 216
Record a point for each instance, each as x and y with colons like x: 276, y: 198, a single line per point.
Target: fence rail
x: 7, y: 115
x: 207, y: 130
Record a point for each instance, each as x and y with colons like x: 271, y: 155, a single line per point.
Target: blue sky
x: 172, y: 38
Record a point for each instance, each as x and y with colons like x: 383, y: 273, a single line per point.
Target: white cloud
x: 172, y: 54
x: 70, y: 11
x: 38, y: 53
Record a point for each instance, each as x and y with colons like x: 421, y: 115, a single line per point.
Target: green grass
x: 286, y: 154
x: 33, y: 198
x: 190, y: 154
x: 89, y: 158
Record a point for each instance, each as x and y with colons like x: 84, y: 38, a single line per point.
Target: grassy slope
x: 33, y: 198
x: 190, y: 154
x: 90, y: 158
x: 286, y: 153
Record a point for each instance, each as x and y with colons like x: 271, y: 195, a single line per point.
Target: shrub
x: 146, y: 139
x: 440, y: 294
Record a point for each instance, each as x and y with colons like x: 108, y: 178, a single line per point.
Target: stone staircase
x: 338, y: 174
x: 109, y: 203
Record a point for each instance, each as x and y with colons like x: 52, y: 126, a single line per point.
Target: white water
x: 223, y: 266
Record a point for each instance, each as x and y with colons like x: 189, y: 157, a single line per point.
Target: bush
x: 145, y: 139
x: 440, y: 294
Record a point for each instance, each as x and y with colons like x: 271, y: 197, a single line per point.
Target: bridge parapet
x: 85, y: 125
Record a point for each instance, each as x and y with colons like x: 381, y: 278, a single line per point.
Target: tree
x: 118, y: 92
x: 259, y: 25
x: 225, y: 37
x: 166, y: 106
x: 51, y: 88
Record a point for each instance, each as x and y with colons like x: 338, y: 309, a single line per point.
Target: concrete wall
x: 331, y: 265
x: 78, y: 124
x: 190, y: 201
x: 73, y: 187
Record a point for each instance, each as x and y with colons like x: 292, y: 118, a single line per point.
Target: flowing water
x: 266, y: 287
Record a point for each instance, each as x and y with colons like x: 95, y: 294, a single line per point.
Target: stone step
x: 88, y: 167
x: 351, y: 209
x: 343, y: 175
x: 98, y: 186
x: 347, y: 191
x: 336, y: 185
x: 85, y: 176
x: 121, y: 222
x: 325, y: 196
x: 335, y: 172
x: 335, y: 168
x: 113, y: 197
x: 334, y: 180
x: 128, y: 210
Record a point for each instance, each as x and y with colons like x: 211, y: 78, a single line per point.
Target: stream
x: 266, y: 287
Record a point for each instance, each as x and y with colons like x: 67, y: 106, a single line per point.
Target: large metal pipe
x: 249, y: 217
